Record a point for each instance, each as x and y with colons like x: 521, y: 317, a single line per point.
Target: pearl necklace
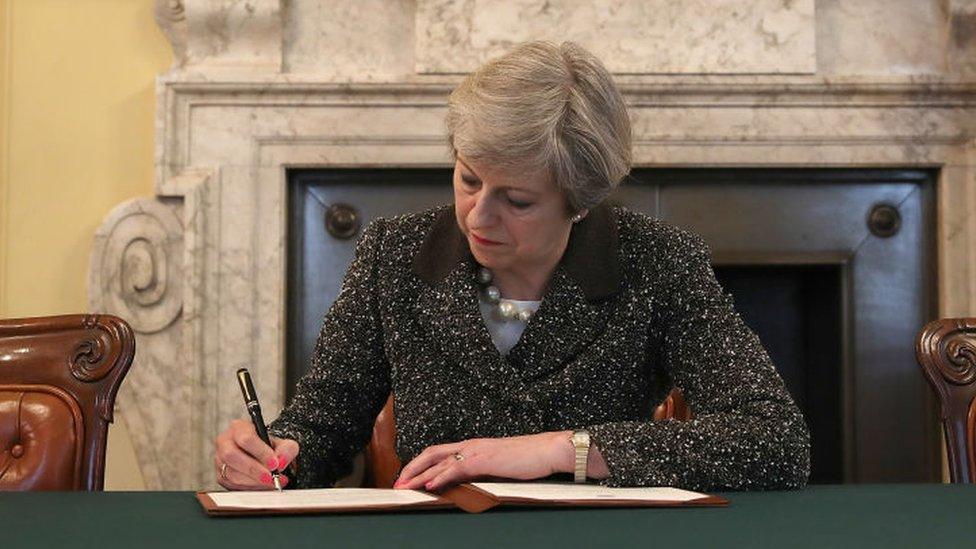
x: 493, y: 295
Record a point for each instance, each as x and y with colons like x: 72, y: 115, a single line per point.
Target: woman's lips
x: 484, y: 241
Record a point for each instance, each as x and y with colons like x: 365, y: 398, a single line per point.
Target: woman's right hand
x: 249, y: 461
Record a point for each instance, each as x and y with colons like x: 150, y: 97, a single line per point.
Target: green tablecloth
x: 933, y: 516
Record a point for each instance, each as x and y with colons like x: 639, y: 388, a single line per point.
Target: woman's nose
x: 482, y: 213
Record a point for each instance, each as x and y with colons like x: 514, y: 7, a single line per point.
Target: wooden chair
x: 946, y: 349
x: 382, y: 462
x: 58, y: 379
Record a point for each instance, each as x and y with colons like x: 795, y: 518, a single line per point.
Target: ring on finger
x: 223, y: 471
x: 458, y: 456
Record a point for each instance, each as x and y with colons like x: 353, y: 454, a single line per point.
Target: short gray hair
x: 548, y: 108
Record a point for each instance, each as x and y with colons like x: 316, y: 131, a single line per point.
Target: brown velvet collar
x: 591, y: 256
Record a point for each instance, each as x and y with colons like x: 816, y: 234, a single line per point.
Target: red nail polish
x: 265, y: 478
x: 272, y: 464
x: 427, y: 486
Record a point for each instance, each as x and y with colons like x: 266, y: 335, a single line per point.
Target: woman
x: 530, y: 317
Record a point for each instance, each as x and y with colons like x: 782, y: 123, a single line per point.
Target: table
x: 935, y: 516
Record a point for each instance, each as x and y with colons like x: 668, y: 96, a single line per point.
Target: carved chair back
x: 382, y: 463
x: 58, y: 380
x: 946, y: 349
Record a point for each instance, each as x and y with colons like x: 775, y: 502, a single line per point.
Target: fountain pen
x: 254, y: 410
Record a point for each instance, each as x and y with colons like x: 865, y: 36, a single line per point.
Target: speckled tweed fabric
x: 632, y: 309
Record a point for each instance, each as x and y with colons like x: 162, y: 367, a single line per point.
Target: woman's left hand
x: 524, y: 457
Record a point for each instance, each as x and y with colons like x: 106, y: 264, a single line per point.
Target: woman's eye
x: 469, y: 182
x: 519, y: 204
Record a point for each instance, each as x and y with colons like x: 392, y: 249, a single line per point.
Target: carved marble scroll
x: 138, y: 263
x: 223, y: 34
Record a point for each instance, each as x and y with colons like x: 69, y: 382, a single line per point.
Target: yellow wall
x: 76, y: 139
x: 4, y: 162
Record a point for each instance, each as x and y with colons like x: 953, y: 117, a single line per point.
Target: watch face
x: 581, y: 438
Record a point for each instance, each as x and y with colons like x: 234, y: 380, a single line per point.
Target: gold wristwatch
x: 581, y: 442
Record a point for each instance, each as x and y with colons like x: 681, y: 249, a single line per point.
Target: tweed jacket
x: 632, y: 310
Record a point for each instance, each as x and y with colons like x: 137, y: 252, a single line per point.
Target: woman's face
x: 512, y: 220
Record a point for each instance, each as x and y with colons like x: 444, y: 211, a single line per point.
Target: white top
x: 505, y: 332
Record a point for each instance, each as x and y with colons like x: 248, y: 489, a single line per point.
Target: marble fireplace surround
x: 199, y: 269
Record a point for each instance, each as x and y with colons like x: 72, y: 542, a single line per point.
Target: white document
x: 319, y: 498
x: 555, y: 491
